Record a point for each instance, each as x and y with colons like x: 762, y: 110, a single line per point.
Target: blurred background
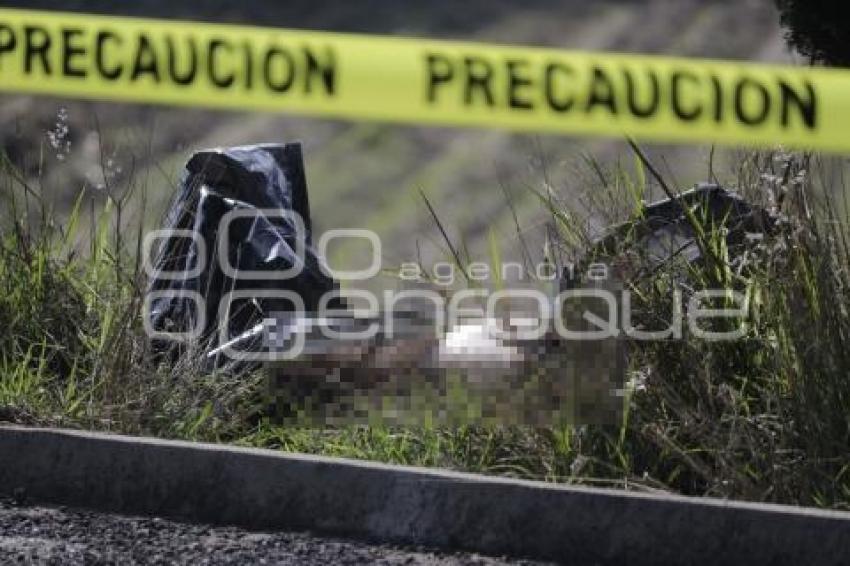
x: 368, y: 175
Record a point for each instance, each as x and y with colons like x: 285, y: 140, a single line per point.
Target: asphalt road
x: 44, y: 535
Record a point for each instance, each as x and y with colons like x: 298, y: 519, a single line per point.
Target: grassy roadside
x: 764, y: 418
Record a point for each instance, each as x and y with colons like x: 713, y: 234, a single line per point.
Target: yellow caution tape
x: 422, y: 81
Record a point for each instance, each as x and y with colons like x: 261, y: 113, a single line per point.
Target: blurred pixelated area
x: 475, y: 372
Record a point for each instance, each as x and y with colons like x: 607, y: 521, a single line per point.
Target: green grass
x: 765, y: 418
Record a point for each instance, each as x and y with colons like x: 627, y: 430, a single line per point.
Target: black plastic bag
x: 191, y: 275
x: 662, y: 231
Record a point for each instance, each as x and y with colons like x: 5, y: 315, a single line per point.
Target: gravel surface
x: 44, y: 535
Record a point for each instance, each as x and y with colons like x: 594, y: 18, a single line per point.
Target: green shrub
x: 765, y: 418
x: 817, y: 29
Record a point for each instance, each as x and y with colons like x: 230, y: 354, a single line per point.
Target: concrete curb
x: 269, y: 490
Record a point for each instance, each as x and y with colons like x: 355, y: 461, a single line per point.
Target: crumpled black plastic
x: 215, y: 182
